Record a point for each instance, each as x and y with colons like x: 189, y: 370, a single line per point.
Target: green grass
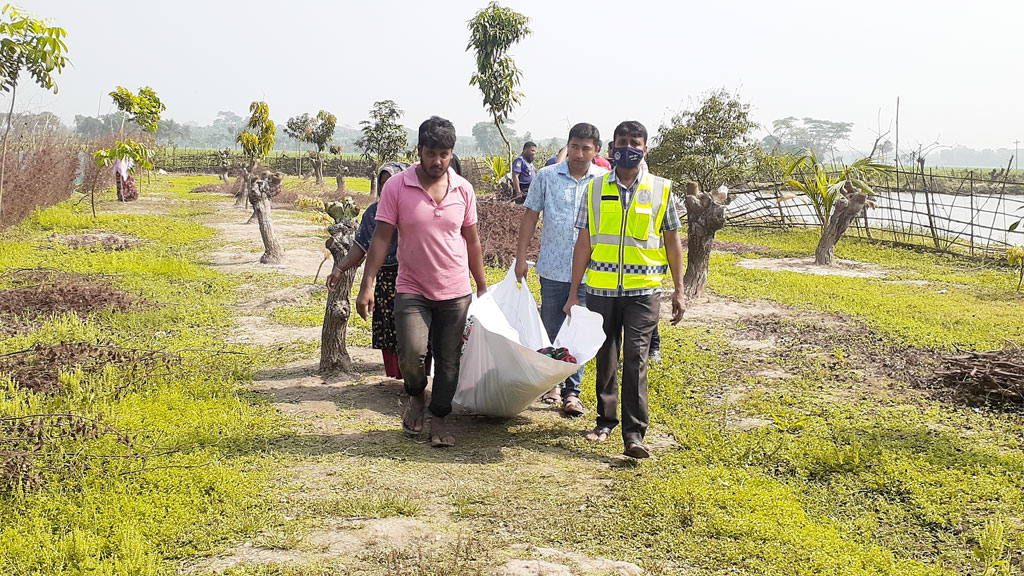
x: 199, y: 489
x: 927, y: 299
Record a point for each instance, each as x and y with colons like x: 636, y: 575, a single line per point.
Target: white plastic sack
x: 502, y: 373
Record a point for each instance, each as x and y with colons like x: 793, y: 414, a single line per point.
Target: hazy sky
x: 954, y: 65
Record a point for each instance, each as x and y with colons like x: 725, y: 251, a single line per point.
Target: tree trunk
x: 261, y: 187
x: 3, y: 157
x: 705, y: 215
x: 340, y: 179
x: 334, y: 355
x: 847, y: 207
x: 318, y: 170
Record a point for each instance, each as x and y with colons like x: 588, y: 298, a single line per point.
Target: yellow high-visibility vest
x: 628, y: 249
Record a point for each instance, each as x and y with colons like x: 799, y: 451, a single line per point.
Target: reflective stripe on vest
x: 628, y: 250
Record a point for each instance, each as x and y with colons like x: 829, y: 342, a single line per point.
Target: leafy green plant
x: 383, y: 138
x: 1015, y: 257
x: 710, y: 145
x: 257, y: 140
x: 317, y: 130
x: 127, y: 149
x: 991, y: 549
x: 27, y: 44
x: 143, y: 108
x: 499, y: 168
x: 492, y: 31
x: 821, y: 188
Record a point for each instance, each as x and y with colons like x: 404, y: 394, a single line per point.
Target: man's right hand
x: 364, y: 302
x: 333, y: 279
x: 574, y: 300
x: 522, y: 269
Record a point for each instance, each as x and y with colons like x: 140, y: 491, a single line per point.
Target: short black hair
x: 630, y: 128
x: 436, y: 132
x: 585, y: 131
x: 528, y: 144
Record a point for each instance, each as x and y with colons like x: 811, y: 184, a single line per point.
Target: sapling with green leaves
x: 316, y: 130
x: 492, y: 32
x: 383, y: 139
x: 261, y: 184
x: 31, y: 45
x: 144, y: 110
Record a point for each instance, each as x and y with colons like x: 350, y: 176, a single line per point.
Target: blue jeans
x: 553, y: 296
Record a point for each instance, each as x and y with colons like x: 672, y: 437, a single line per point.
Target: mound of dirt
x: 37, y: 367
x: 42, y: 291
x: 101, y: 240
x: 499, y: 232
x: 215, y: 188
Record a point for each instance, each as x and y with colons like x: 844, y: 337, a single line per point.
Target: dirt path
x: 361, y: 496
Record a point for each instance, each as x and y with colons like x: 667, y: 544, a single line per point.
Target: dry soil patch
x: 847, y: 268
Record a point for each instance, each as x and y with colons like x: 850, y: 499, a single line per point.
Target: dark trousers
x: 629, y: 322
x: 441, y: 323
x: 553, y: 296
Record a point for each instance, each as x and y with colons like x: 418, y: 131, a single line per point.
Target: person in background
x: 434, y: 210
x: 557, y: 157
x: 523, y: 172
x: 384, y: 336
x: 125, y: 180
x: 628, y: 240
x: 557, y: 192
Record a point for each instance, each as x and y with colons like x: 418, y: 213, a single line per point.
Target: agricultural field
x: 160, y: 413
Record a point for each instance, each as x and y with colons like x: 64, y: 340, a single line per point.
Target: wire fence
x: 962, y: 214
x: 292, y: 163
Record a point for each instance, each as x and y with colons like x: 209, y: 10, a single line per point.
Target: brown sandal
x: 571, y: 406
x: 441, y: 435
x: 551, y: 396
x: 598, y: 435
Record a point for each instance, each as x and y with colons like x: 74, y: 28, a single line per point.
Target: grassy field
x: 805, y: 436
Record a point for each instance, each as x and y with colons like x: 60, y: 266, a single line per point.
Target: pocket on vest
x: 638, y: 223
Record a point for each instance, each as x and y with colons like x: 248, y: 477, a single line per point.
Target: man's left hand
x: 678, y: 306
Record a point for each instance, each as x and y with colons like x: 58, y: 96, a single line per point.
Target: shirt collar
x: 614, y: 177
x: 592, y: 170
x: 411, y: 179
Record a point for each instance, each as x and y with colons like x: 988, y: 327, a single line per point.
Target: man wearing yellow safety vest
x: 632, y: 240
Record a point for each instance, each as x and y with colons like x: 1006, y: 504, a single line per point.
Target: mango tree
x: 492, y: 32
x: 383, y: 138
x: 836, y: 197
x: 316, y: 130
x: 709, y: 147
x: 261, y: 184
x: 32, y: 45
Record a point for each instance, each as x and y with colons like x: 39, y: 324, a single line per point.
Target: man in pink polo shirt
x: 434, y: 210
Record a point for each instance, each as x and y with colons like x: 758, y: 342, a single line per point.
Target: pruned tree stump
x: 705, y: 214
x: 261, y: 185
x: 334, y: 356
